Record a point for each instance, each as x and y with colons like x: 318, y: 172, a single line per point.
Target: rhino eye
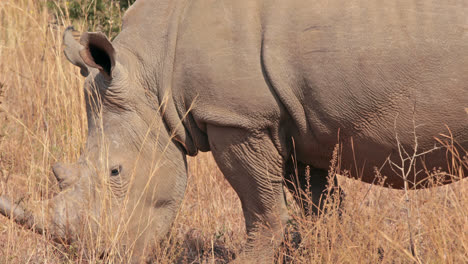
x: 116, y: 171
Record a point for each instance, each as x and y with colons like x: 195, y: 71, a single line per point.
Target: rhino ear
x: 72, y: 51
x: 98, y: 52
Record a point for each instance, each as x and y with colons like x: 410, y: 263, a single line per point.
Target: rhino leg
x: 309, y: 186
x: 254, y: 168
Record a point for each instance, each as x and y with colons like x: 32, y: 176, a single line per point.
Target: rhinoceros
x: 266, y: 86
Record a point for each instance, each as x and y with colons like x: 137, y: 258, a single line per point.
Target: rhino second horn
x: 65, y: 174
x: 72, y: 51
x: 19, y: 215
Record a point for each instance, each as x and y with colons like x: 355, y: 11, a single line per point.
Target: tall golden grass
x: 43, y: 120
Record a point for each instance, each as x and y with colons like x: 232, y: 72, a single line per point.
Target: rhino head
x: 130, y: 179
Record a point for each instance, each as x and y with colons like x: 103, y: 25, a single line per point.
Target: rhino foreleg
x: 254, y: 168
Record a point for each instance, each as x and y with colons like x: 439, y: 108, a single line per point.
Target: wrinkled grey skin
x: 245, y: 79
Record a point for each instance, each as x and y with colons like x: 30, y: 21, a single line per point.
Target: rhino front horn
x: 19, y: 214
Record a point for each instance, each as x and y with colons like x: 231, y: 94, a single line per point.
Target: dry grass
x: 42, y: 120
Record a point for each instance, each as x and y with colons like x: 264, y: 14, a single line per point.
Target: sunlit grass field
x: 43, y: 120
